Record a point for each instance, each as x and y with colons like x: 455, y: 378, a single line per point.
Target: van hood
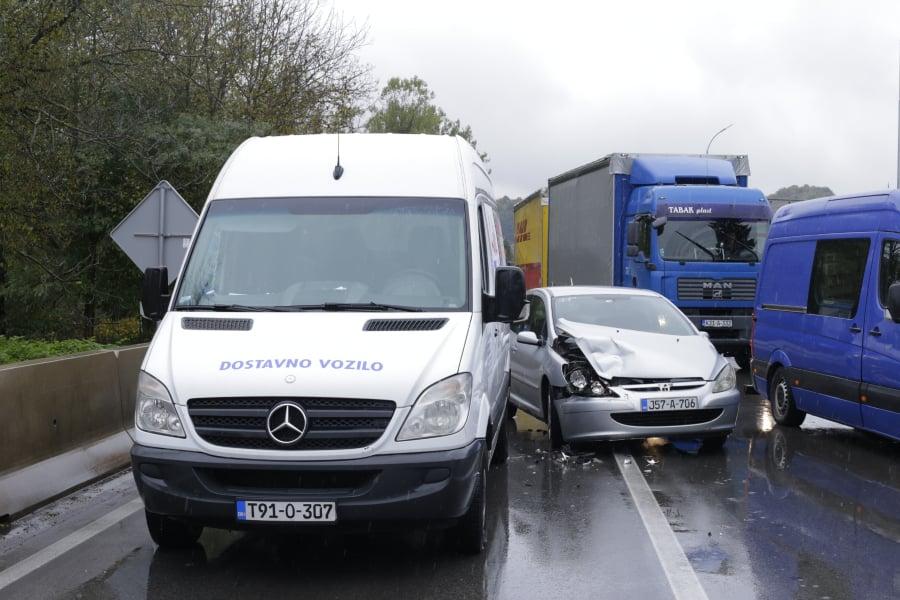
x: 616, y: 352
x: 308, y: 354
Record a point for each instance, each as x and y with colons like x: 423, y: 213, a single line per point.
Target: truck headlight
x: 725, y: 380
x: 154, y: 410
x: 441, y: 409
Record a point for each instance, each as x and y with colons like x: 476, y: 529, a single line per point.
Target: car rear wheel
x: 781, y: 397
x: 169, y: 533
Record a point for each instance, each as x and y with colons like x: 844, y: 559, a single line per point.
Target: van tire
x: 781, y: 399
x: 172, y: 534
x: 471, y: 530
x: 501, y: 450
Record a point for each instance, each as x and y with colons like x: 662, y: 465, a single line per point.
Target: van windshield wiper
x: 230, y: 308
x: 698, y: 244
x: 351, y: 306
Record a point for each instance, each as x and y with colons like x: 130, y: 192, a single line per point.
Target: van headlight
x: 154, y: 410
x: 441, y: 409
x: 725, y: 380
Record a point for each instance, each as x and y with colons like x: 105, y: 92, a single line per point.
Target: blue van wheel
x: 781, y: 397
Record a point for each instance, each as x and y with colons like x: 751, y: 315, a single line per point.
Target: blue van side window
x: 890, y: 268
x: 838, y: 270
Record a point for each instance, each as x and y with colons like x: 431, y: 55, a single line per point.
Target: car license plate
x: 261, y: 510
x: 662, y: 404
x: 712, y: 323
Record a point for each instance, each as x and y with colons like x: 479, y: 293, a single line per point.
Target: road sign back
x: 158, y: 231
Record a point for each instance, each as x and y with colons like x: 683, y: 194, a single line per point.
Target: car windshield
x: 719, y: 240
x: 623, y: 311
x: 303, y: 253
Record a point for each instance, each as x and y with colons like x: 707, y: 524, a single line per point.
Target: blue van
x: 827, y: 313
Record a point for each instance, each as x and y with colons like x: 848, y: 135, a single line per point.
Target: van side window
x: 485, y: 262
x: 498, y: 231
x: 890, y: 268
x: 837, y: 275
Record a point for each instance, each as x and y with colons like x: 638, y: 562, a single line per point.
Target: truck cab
x: 695, y: 233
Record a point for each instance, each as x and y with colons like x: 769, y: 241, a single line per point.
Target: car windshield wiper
x: 698, y: 244
x: 351, y: 306
x: 230, y: 308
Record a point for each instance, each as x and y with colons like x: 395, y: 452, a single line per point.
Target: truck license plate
x: 662, y: 404
x: 260, y: 510
x: 715, y: 323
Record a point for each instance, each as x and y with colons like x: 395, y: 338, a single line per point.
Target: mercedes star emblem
x: 286, y: 423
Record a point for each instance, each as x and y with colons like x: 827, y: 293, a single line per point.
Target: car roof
x: 584, y: 290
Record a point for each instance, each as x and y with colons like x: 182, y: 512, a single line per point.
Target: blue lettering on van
x: 337, y: 364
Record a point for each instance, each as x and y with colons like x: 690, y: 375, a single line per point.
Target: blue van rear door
x: 828, y: 371
x: 881, y: 353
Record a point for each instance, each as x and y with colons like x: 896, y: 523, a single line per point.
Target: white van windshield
x: 329, y: 254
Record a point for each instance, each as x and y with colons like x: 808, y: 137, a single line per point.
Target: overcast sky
x: 811, y: 87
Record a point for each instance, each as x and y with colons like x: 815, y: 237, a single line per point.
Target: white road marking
x: 54, y: 550
x: 682, y: 578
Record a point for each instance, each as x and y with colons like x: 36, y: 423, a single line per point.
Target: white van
x: 335, y: 350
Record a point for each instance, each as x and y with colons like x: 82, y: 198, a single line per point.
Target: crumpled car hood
x: 616, y: 352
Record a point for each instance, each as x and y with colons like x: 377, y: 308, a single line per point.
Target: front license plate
x: 712, y: 323
x: 662, y: 404
x: 261, y: 510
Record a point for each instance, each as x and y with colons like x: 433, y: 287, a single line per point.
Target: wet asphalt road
x: 809, y: 513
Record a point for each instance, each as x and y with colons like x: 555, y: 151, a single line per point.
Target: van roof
x: 437, y: 166
x: 864, y: 206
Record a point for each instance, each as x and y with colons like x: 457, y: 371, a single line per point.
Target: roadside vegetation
x: 102, y: 99
x: 15, y: 349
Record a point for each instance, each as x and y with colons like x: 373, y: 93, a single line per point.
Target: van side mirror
x: 155, y: 293
x: 509, y: 296
x: 893, y: 301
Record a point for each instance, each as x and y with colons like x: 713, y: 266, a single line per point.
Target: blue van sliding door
x: 826, y: 374
x: 881, y: 354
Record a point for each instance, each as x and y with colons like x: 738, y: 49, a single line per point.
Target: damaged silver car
x: 605, y: 363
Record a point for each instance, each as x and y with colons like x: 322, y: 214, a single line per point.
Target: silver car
x: 606, y: 363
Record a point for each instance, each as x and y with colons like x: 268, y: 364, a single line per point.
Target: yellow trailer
x: 530, y: 217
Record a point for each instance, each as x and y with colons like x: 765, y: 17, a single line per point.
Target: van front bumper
x: 585, y: 419
x: 398, y: 489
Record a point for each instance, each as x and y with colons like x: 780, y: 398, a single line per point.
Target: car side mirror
x: 155, y: 293
x: 528, y: 338
x: 509, y: 296
x: 893, y: 301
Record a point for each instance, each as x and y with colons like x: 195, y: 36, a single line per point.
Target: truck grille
x: 334, y: 423
x: 669, y: 418
x: 716, y: 289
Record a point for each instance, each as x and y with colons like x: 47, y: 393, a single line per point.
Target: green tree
x: 408, y: 106
x: 100, y: 100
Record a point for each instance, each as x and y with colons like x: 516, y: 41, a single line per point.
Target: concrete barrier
x: 64, y: 422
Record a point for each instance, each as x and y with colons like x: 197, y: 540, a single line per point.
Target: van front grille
x: 333, y: 423
x: 716, y: 289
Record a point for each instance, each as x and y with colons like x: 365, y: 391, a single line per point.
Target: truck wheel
x: 781, y: 397
x: 501, y: 450
x: 169, y: 533
x: 471, y: 531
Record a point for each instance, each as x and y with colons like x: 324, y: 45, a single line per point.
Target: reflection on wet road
x: 809, y: 513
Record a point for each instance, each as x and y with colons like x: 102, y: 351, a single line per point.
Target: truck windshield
x: 728, y: 240
x: 623, y: 311
x: 329, y: 254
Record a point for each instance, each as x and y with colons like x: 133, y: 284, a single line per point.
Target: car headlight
x: 583, y: 381
x: 441, y: 409
x: 725, y: 380
x: 154, y: 410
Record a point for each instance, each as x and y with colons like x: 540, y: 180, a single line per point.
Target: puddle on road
x: 711, y: 559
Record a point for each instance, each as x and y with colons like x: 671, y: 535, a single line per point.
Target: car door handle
x: 855, y: 328
x: 876, y: 332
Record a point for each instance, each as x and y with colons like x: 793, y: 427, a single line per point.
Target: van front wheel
x: 169, y: 533
x: 471, y: 531
x: 781, y: 397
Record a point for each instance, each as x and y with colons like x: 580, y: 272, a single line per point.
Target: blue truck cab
x: 827, y: 328
x: 685, y: 226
